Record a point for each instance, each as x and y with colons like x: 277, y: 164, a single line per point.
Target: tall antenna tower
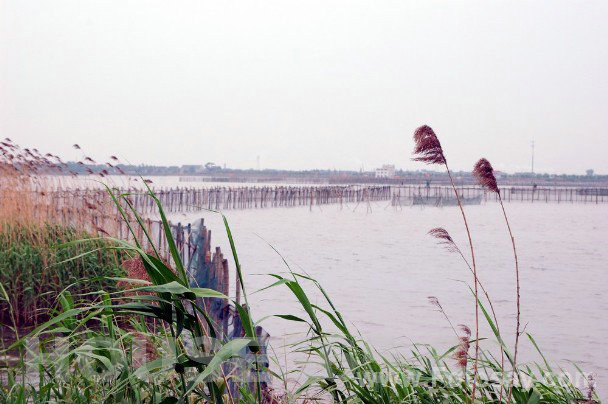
x: 258, y: 162
x: 532, y: 145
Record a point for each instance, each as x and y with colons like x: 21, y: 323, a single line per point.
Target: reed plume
x: 461, y: 354
x: 445, y: 239
x: 484, y: 173
x: 435, y: 302
x: 428, y: 150
x: 590, y: 389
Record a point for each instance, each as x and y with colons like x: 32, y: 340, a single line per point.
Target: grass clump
x: 34, y: 270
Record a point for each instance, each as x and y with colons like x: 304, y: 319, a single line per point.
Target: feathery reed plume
x: 446, y: 240
x: 590, y: 389
x: 428, y: 147
x: 461, y: 354
x: 75, y: 146
x: 435, y: 302
x: 484, y: 173
x: 428, y: 150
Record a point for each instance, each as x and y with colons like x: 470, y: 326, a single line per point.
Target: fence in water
x: 95, y: 209
x: 175, y: 200
x: 403, y: 195
x: 209, y: 269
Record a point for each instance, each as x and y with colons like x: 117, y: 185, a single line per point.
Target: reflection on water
x: 379, y: 269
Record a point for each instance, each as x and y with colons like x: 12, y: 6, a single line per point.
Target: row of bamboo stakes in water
x: 94, y: 210
x: 176, y: 200
x: 405, y: 194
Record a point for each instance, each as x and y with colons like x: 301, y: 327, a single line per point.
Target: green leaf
x: 246, y: 320
x: 204, y: 292
x: 157, y: 270
x: 180, y: 322
x: 290, y: 318
x: 305, y: 302
x: 171, y: 287
x: 534, y: 397
x: 228, y: 351
x: 169, y: 236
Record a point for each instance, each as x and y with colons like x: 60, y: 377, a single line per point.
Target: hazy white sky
x: 308, y: 84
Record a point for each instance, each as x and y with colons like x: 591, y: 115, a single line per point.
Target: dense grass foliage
x: 38, y: 262
x: 109, y: 351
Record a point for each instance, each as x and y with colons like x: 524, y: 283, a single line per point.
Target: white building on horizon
x: 386, y: 171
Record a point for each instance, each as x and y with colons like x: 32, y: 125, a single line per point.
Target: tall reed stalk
x: 428, y: 150
x: 484, y: 173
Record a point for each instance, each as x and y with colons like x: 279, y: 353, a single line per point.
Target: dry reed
x: 484, y: 173
x: 428, y: 150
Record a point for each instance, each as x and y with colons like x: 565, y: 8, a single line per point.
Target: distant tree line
x: 216, y: 172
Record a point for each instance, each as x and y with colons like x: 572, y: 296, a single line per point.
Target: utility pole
x: 532, y: 156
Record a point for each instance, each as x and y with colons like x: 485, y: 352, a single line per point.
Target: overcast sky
x: 308, y: 84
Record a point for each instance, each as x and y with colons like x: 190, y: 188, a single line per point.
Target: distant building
x: 590, y: 173
x: 386, y: 171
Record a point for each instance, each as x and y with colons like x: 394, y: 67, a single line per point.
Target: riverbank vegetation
x: 151, y: 344
x: 150, y: 338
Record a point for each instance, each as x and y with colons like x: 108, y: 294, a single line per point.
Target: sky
x: 308, y: 84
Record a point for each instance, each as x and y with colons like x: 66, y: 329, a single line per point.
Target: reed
x: 484, y: 173
x: 34, y: 271
x: 37, y: 190
x: 428, y: 150
x: 37, y: 214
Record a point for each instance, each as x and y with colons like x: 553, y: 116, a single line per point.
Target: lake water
x: 380, y: 267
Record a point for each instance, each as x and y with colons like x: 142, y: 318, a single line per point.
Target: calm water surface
x: 380, y: 267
